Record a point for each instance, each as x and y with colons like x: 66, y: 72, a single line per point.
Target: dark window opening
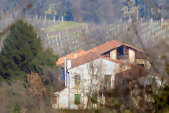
x: 120, y: 52
x: 125, y: 87
x: 77, y: 80
x: 141, y: 65
x: 107, y: 81
x: 94, y: 98
x: 63, y: 74
x: 54, y: 100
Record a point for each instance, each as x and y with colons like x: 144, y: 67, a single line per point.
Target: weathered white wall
x: 102, y: 67
x: 143, y: 61
x: 62, y: 97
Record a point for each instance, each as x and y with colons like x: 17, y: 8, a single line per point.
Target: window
x: 77, y: 98
x: 120, y: 52
x: 77, y: 80
x: 141, y: 65
x: 107, y: 81
x: 54, y: 99
x: 94, y: 98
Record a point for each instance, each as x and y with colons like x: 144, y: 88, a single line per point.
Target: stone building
x: 85, y: 73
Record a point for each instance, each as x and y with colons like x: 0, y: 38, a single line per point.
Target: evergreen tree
x: 43, y: 60
x: 21, y: 45
x: 22, y: 52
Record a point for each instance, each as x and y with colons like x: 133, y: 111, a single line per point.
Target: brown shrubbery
x: 35, y: 84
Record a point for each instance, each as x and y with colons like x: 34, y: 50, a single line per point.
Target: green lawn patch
x: 64, y: 26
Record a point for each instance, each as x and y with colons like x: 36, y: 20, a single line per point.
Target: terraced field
x: 70, y: 36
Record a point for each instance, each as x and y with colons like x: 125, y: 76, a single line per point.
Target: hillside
x: 91, y: 56
x: 71, y: 36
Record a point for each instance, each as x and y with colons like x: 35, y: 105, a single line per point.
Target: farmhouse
x: 85, y: 73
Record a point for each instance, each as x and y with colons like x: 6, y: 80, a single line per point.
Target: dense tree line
x: 96, y: 11
x: 83, y: 10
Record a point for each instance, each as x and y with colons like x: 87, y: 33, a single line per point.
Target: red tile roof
x: 92, y: 54
x: 109, y: 46
x: 133, y: 47
x: 106, y: 47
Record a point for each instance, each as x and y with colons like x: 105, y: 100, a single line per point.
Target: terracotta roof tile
x: 109, y: 46
x: 92, y: 54
x: 133, y: 47
x: 106, y: 47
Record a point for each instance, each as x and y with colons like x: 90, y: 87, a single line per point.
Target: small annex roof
x: 79, y: 53
x: 82, y: 59
x: 133, y: 47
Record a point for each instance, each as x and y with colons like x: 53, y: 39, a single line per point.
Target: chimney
x: 65, y: 69
x: 69, y: 65
x: 75, y: 55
